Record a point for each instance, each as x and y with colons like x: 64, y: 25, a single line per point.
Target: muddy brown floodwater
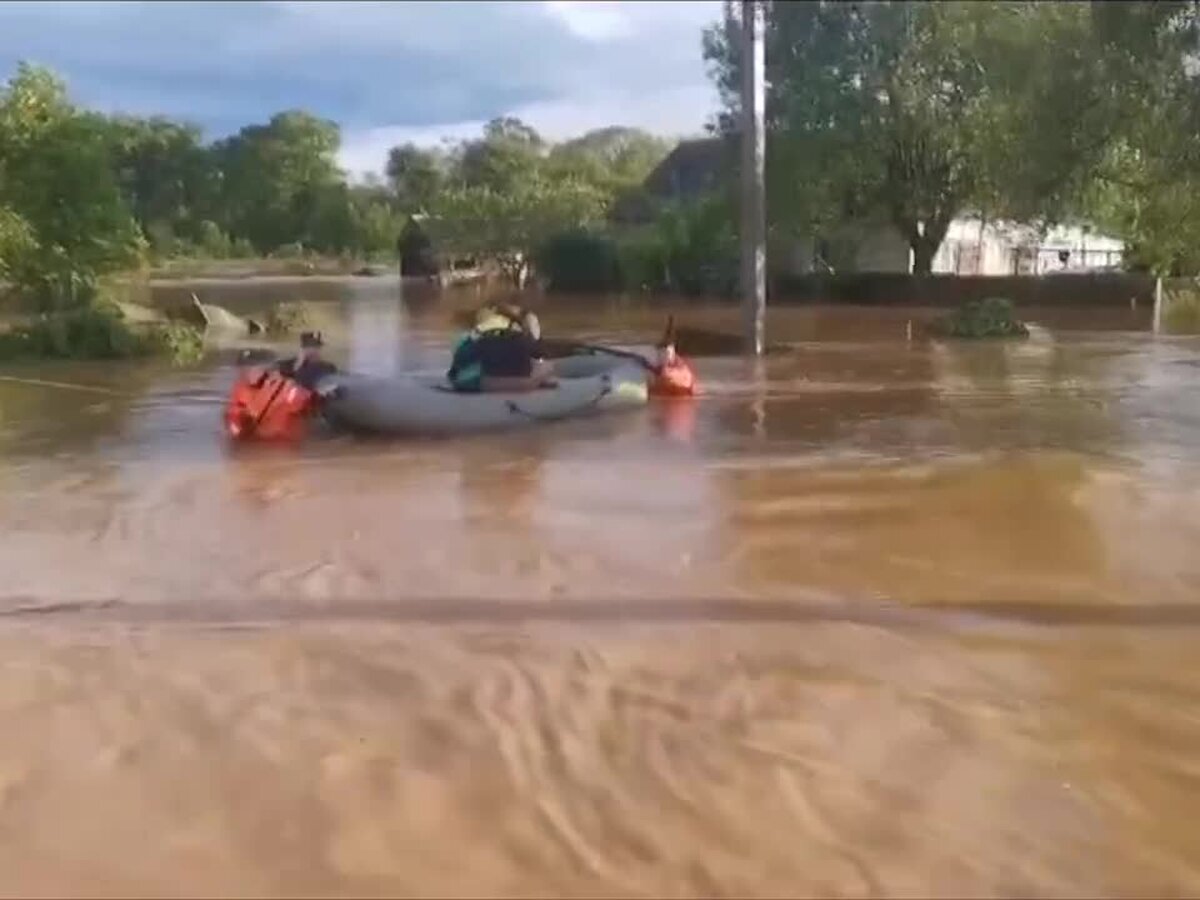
x: 871, y: 619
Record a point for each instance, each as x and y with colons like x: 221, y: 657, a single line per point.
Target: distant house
x: 693, y: 168
x: 415, y: 249
x: 971, y: 247
x: 689, y: 171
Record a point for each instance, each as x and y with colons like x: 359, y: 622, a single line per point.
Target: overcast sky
x: 388, y: 72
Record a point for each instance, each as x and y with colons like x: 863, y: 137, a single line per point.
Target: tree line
x: 82, y: 194
x: 903, y: 112
x: 912, y: 113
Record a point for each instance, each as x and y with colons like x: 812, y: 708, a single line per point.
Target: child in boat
x: 502, y: 353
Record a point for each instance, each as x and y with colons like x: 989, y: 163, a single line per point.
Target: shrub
x: 294, y: 250
x: 580, y: 262
x: 178, y: 341
x: 98, y: 331
x: 643, y: 262
x: 285, y: 318
x: 212, y: 241
x: 993, y: 317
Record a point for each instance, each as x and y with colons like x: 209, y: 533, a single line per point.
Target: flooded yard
x: 870, y: 618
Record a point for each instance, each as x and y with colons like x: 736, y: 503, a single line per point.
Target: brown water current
x: 872, y: 618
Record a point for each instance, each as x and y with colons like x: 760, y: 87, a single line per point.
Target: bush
x: 580, y: 262
x: 294, y: 250
x: 690, y: 250
x: 643, y: 263
x: 242, y: 249
x: 285, y: 318
x: 178, y: 341
x: 993, y: 317
x: 98, y: 331
x: 212, y: 241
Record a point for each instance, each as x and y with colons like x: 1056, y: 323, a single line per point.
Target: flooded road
x: 870, y: 619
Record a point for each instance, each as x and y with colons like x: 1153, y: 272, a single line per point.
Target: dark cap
x: 311, y: 339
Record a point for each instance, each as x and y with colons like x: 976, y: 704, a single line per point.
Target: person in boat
x: 501, y: 353
x: 308, y: 367
x: 276, y: 402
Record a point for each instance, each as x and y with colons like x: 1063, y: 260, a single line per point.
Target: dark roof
x: 692, y: 168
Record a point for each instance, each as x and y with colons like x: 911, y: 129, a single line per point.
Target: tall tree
x: 166, y: 174
x: 275, y: 177
x: 506, y: 153
x: 1147, y: 185
x: 416, y: 176
x: 509, y: 226
x: 894, y: 109
x: 57, y: 178
x: 616, y: 157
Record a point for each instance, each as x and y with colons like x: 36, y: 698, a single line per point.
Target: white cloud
x: 645, y: 72
x: 677, y: 112
x: 388, y: 72
x: 595, y: 20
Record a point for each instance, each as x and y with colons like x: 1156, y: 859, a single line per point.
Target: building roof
x: 692, y: 168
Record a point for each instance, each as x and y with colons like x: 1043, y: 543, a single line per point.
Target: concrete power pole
x: 753, y: 200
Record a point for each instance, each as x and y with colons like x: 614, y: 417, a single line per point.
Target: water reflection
x: 378, y: 339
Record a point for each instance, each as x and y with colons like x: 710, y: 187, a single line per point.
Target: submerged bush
x: 99, y: 331
x: 990, y: 318
x: 285, y: 318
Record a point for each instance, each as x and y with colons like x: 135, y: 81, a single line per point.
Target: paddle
x: 689, y: 341
x: 557, y: 348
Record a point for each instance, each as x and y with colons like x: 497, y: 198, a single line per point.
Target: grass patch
x: 978, y: 319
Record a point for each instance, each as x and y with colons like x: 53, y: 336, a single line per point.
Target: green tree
x: 616, y: 158
x: 16, y: 242
x: 917, y: 112
x: 509, y: 153
x: 509, y: 226
x: 275, y: 178
x: 416, y: 176
x: 167, y: 176
x: 1146, y: 186
x: 377, y: 224
x: 57, y: 176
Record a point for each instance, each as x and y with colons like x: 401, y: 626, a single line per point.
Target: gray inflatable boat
x: 425, y: 404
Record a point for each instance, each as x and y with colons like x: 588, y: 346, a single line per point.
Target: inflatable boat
x: 426, y: 404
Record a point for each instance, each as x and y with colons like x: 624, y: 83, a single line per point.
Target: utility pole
x: 753, y: 200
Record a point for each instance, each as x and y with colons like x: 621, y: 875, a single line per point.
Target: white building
x: 971, y: 247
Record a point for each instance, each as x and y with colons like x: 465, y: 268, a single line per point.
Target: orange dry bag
x: 675, y: 379
x: 267, y: 406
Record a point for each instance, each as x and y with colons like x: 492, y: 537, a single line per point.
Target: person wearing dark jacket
x: 308, y: 368
x: 501, y: 353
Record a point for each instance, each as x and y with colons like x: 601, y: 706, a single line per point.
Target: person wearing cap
x: 309, y: 367
x: 501, y: 353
